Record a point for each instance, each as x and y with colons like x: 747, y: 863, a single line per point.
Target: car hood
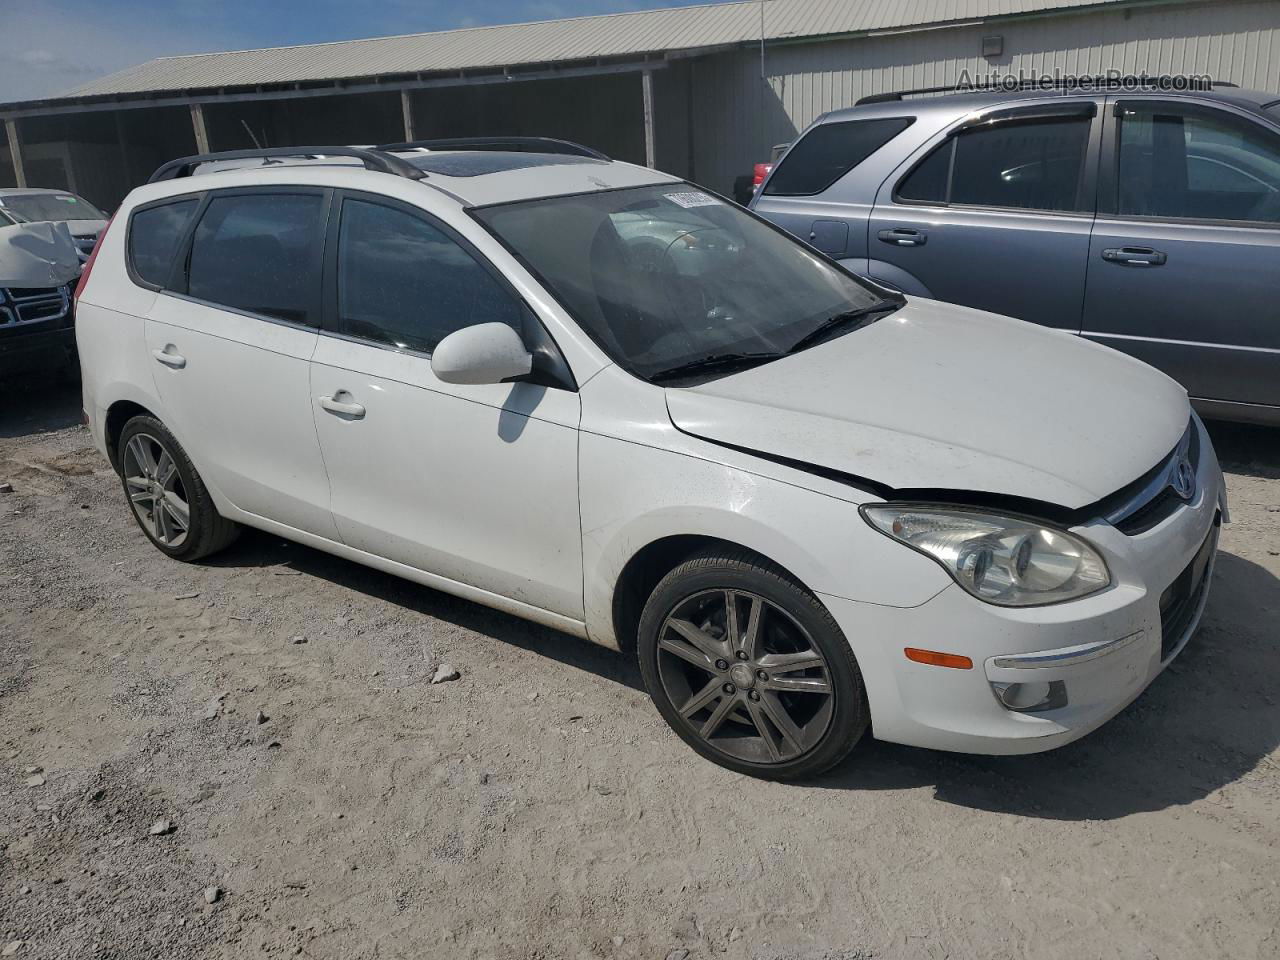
x: 937, y: 398
x: 37, y: 255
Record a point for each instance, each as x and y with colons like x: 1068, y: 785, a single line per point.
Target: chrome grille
x: 1158, y: 495
x: 24, y: 305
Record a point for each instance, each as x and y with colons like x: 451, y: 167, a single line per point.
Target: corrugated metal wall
x: 736, y: 121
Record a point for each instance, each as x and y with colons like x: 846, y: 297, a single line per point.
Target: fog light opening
x: 1031, y: 697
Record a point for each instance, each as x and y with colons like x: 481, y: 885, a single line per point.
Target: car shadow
x: 257, y: 549
x: 38, y: 404
x: 1247, y: 448
x: 1210, y: 719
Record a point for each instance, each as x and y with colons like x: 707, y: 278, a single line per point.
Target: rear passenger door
x: 474, y: 483
x: 231, y: 336
x: 996, y: 214
x: 1182, y: 270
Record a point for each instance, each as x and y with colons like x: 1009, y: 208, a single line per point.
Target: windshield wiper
x: 717, y: 362
x: 831, y: 324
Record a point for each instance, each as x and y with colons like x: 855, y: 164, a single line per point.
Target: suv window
x: 260, y: 252
x: 154, y: 235
x: 408, y: 284
x: 829, y: 152
x: 1187, y: 164
x: 1032, y: 165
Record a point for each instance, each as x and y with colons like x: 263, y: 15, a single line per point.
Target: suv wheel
x: 749, y: 668
x: 169, y: 500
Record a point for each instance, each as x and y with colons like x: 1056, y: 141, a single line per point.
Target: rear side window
x: 407, y: 284
x: 1180, y: 163
x: 830, y: 151
x: 1031, y: 165
x: 260, y: 253
x: 154, y: 234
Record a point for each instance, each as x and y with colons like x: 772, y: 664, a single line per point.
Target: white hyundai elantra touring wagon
x: 606, y: 400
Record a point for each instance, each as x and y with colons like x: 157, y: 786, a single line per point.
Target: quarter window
x: 407, y: 284
x: 1030, y: 165
x: 260, y: 253
x: 830, y: 151
x: 154, y: 235
x: 1190, y: 165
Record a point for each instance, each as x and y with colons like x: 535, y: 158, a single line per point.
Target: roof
x: 469, y: 178
x: 29, y: 191
x: 552, y: 41
x: 961, y: 102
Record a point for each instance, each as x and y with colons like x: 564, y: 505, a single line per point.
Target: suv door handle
x: 342, y: 408
x: 1134, y: 256
x: 170, y: 357
x: 904, y: 237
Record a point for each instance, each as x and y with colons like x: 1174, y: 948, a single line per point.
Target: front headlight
x: 1002, y: 560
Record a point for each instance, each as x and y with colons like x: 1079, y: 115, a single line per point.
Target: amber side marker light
x: 935, y: 659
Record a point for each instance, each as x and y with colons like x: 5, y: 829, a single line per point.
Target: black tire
x: 206, y: 531
x: 793, y: 620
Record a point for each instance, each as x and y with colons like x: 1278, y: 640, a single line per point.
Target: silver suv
x: 1147, y: 219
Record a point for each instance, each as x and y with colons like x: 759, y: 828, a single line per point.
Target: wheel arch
x: 648, y: 565
x: 118, y: 414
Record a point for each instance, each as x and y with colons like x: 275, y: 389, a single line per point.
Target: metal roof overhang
x: 347, y: 86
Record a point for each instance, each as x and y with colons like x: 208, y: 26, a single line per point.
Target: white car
x: 601, y: 398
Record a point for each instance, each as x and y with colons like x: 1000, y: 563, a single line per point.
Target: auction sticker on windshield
x: 693, y: 199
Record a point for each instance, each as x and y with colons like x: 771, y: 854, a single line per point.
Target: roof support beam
x: 197, y: 125
x: 650, y: 141
x: 406, y: 111
x: 15, y: 152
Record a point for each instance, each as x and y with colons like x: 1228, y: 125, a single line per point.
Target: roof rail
x: 372, y: 159
x: 513, y: 144
x: 1056, y: 83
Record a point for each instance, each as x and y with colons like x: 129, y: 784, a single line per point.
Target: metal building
x: 699, y: 91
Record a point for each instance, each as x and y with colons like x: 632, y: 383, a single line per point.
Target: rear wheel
x: 749, y: 668
x: 167, y: 496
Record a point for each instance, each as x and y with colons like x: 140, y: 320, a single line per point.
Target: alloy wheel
x: 156, y: 491
x: 744, y: 676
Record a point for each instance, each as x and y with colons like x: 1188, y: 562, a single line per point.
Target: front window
x: 40, y: 207
x: 673, y: 281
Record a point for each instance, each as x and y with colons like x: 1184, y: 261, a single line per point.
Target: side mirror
x: 485, y: 353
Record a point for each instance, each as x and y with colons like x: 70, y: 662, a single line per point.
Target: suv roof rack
x: 1071, y: 83
x: 372, y: 159
x: 513, y: 144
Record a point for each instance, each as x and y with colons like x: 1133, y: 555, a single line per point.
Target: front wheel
x: 749, y: 668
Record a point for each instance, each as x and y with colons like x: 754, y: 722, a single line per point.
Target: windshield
x: 36, y: 207
x: 666, y: 276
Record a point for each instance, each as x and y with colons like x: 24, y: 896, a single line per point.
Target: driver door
x: 477, y: 484
x: 1183, y: 253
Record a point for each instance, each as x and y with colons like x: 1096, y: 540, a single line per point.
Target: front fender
x: 633, y: 495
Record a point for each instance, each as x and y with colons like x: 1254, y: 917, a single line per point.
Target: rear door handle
x: 170, y: 357
x: 1134, y: 256
x: 342, y: 408
x: 904, y: 237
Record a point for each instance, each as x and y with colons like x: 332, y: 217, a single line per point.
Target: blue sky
x: 53, y: 45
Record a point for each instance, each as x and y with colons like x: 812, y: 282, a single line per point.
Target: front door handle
x: 170, y: 357
x: 904, y: 237
x: 342, y: 408
x: 1134, y: 256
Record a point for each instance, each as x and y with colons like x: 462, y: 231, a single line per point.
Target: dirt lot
x: 346, y: 807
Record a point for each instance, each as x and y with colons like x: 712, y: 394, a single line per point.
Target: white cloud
x: 48, y: 51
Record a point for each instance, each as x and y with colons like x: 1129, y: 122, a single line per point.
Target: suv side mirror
x: 485, y: 353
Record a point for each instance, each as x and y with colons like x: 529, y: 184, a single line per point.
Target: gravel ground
x: 262, y: 732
